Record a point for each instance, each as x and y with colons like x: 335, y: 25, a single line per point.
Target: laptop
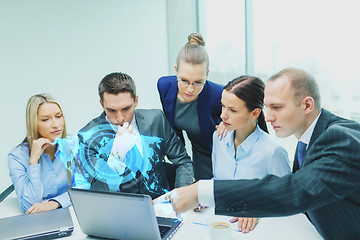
x: 119, y: 215
x: 44, y: 225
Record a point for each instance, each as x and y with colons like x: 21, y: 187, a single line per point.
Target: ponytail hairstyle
x: 250, y: 89
x: 193, y: 52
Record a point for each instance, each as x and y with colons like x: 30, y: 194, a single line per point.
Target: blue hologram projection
x: 68, y: 148
x: 93, y: 149
x: 68, y: 153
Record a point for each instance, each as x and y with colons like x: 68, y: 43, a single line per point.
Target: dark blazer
x: 327, y: 186
x: 209, y: 106
x: 95, y: 143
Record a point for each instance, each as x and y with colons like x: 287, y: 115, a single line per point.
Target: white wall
x: 65, y: 48
x: 182, y: 19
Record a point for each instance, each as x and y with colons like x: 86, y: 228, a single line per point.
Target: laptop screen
x: 119, y: 215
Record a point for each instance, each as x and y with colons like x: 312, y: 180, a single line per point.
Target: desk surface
x: 294, y: 227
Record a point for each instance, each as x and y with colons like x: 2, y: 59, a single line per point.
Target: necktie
x: 301, y: 152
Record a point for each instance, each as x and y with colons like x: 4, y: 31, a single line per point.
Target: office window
x: 222, y: 25
x: 320, y: 37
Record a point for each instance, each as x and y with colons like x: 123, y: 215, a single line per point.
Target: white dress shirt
x: 206, y: 187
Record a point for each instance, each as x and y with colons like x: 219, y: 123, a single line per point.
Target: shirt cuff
x: 63, y: 200
x: 206, y: 193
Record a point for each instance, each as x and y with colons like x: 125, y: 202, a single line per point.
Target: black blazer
x: 327, y: 186
x: 95, y: 146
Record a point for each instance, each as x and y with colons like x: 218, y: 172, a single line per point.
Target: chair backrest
x: 6, y: 192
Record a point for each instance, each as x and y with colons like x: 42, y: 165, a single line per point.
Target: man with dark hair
x: 326, y: 178
x: 123, y: 149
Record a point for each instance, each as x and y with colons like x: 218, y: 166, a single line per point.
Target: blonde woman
x: 192, y: 103
x: 40, y: 166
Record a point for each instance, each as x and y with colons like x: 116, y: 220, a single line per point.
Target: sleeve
x: 213, y: 152
x: 161, y: 87
x: 62, y: 199
x: 279, y: 164
x: 216, y: 103
x: 331, y: 173
x: 175, y: 151
x: 26, y: 180
x: 206, y: 193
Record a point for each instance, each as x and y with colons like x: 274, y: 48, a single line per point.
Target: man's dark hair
x: 115, y: 83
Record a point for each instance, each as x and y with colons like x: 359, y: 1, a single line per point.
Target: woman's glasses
x: 186, y: 83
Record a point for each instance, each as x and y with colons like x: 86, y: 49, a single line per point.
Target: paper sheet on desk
x: 164, y: 210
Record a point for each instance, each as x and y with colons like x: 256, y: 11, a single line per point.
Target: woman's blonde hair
x: 32, y: 109
x: 193, y: 52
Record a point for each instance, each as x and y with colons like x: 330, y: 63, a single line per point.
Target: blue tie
x: 301, y: 152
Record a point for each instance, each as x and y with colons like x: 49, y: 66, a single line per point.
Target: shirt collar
x: 56, y: 154
x: 306, y: 136
x: 229, y: 139
x: 134, y: 124
x: 249, y: 141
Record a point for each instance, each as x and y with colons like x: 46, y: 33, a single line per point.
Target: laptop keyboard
x: 164, y: 229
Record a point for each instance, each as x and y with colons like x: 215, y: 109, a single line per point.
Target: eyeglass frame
x: 195, y: 84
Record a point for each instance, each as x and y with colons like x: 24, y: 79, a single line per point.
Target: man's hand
x: 245, y: 224
x: 124, y: 141
x: 42, y: 207
x: 182, y: 199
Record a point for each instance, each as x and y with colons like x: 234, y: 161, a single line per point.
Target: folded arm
x: 26, y: 180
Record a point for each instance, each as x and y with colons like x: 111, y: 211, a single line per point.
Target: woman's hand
x: 245, y: 224
x: 220, y: 130
x: 42, y: 207
x: 38, y: 147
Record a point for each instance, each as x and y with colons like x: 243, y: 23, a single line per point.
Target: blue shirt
x: 256, y: 157
x: 48, y: 180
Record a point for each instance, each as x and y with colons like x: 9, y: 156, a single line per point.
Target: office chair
x: 6, y: 192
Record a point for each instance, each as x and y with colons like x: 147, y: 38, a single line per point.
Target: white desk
x: 292, y: 227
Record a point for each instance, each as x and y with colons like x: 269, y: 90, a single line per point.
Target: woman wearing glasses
x: 192, y: 103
